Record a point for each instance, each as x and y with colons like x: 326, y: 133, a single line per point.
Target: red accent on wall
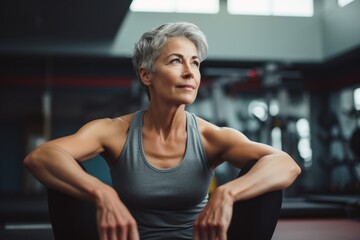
x: 87, y: 82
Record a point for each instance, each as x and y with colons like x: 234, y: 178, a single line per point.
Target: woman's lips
x: 186, y: 86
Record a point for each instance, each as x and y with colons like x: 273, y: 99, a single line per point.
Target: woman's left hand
x: 214, y: 220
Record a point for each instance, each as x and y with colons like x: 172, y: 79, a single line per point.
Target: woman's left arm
x: 273, y: 170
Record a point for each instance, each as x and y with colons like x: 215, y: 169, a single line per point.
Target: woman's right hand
x: 113, y: 218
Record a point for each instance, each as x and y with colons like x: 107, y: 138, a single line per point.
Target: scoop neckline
x: 157, y: 169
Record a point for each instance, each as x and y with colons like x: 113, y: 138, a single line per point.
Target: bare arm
x: 273, y: 170
x: 55, y: 164
x: 56, y: 168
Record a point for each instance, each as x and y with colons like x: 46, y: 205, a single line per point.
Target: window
x: 357, y: 99
x: 343, y: 3
x: 276, y: 140
x: 299, y: 8
x: 178, y: 6
x: 304, y: 146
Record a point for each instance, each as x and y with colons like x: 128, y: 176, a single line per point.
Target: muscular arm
x: 55, y: 164
x: 56, y: 168
x: 273, y: 170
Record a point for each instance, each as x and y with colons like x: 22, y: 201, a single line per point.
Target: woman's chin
x: 188, y: 101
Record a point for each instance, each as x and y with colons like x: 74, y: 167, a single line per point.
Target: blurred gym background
x: 284, y: 72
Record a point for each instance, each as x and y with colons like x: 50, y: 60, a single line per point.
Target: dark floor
x: 317, y: 229
x: 287, y: 229
x: 27, y: 231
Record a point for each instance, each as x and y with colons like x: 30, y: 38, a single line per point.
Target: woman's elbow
x: 296, y: 170
x: 32, y: 160
x: 293, y: 172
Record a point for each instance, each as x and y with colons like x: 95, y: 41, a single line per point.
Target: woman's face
x: 177, y: 72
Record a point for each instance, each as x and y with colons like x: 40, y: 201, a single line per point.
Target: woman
x: 162, y: 159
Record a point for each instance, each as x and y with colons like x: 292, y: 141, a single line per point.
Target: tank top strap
x: 194, y: 136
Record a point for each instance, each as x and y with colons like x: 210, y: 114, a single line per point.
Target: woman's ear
x: 145, y: 76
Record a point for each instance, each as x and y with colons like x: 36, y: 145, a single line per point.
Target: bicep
x: 239, y: 150
x: 82, y: 145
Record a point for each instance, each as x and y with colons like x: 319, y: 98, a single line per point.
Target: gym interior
x: 288, y: 77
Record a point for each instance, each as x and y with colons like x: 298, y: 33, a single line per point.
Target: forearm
x: 272, y: 172
x: 57, y: 169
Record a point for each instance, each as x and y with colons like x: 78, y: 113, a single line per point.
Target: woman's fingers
x: 209, y: 231
x: 122, y: 233
x: 200, y: 230
x: 214, y: 220
x: 133, y: 231
x: 113, y: 234
x: 113, y: 218
x: 112, y: 228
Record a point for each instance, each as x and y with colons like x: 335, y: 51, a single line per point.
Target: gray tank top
x: 164, y: 202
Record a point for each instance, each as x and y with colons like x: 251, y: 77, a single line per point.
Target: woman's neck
x: 165, y: 121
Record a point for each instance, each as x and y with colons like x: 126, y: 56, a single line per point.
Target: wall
x: 340, y: 27
x: 237, y: 37
x: 332, y: 31
x: 12, y: 152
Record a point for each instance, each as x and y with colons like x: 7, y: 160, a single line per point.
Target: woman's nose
x: 187, y: 71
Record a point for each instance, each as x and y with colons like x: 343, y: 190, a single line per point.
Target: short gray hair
x: 148, y: 48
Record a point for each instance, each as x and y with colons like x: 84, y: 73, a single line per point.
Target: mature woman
x: 163, y: 158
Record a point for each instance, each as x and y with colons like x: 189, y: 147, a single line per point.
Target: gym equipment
x: 355, y: 137
x: 355, y: 142
x: 340, y: 153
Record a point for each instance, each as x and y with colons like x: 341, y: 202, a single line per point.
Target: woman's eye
x: 176, y: 60
x: 196, y: 64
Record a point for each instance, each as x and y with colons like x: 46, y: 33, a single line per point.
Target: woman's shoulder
x: 108, y: 125
x: 208, y: 130
x: 212, y: 132
x: 206, y: 126
x: 124, y: 120
x: 111, y: 133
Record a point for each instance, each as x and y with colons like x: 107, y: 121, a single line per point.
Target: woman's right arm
x: 56, y: 168
x: 55, y: 164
